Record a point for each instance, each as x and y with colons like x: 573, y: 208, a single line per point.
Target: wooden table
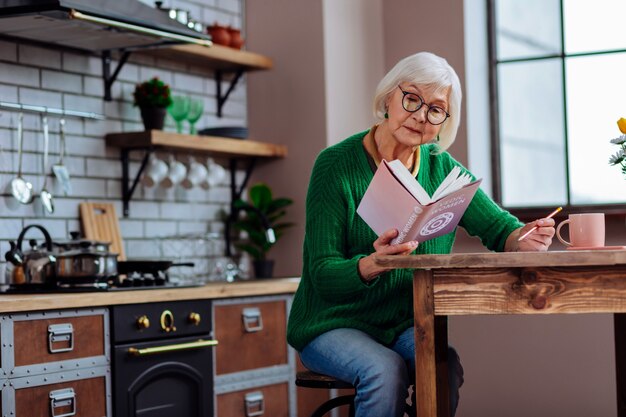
x: 507, y: 283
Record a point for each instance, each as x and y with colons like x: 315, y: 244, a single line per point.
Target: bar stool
x: 308, y: 379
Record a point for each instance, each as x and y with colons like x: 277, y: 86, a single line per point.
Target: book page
x: 454, y: 181
x: 408, y: 181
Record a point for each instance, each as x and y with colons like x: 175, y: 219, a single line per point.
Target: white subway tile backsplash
x: 131, y: 228
x: 129, y: 72
x: 11, y: 208
x: 8, y: 93
x: 10, y: 228
x: 114, y: 188
x: 82, y: 103
x: 56, y: 227
x: 84, y: 146
x: 61, y: 81
x: 187, y: 83
x: 40, y: 97
x: 142, y: 248
x: 99, y: 128
x: 41, y: 57
x: 65, y: 208
x: 19, y: 75
x: 89, y: 187
x: 192, y: 227
x: 93, y: 86
x: 160, y: 228
x: 8, y: 51
x: 65, y: 79
x: 233, y: 6
x: 144, y: 210
x: 103, y: 168
x: 82, y: 64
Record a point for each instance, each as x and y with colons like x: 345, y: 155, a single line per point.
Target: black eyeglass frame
x: 422, y: 102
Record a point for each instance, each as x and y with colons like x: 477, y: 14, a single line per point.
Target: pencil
x: 525, y: 235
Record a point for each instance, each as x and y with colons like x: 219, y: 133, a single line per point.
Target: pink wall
x: 286, y: 105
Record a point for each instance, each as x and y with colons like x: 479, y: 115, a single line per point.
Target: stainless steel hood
x: 94, y: 25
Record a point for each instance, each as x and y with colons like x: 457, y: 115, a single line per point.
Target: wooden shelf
x: 216, y: 57
x: 217, y: 146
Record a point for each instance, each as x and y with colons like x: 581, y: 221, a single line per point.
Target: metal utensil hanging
x: 46, y: 197
x: 21, y: 189
x: 60, y: 171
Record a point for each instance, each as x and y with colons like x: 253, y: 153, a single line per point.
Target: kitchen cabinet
x: 56, y: 363
x: 254, y: 367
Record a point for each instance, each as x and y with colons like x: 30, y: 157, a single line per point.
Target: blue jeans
x: 381, y: 374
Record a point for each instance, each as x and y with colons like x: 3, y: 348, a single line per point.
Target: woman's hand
x: 368, y: 269
x: 538, y: 240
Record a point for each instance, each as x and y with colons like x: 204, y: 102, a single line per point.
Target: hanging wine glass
x: 179, y: 109
x: 196, y: 107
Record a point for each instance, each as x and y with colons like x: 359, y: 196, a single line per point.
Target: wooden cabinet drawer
x: 52, y: 339
x: 86, y: 397
x: 250, y: 335
x: 267, y: 401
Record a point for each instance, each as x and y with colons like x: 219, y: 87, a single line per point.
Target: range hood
x: 94, y: 25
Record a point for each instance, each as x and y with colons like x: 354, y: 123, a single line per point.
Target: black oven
x: 163, y: 360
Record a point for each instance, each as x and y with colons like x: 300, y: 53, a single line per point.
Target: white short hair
x: 427, y: 69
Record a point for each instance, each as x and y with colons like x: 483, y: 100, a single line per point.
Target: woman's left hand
x: 538, y: 240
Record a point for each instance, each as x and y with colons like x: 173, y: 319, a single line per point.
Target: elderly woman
x: 350, y: 317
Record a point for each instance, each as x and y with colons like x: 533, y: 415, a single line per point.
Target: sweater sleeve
x: 484, y: 218
x: 332, y: 271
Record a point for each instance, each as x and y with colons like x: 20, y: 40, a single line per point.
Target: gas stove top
x: 133, y: 281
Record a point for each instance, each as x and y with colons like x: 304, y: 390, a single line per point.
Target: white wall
x: 353, y: 56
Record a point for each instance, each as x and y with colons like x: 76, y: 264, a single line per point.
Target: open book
x: 395, y: 200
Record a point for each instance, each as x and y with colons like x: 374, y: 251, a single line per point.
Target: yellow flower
x: 621, y: 123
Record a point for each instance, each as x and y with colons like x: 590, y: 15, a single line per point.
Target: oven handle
x: 171, y: 348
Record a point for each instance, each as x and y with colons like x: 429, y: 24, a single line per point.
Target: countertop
x: 14, y: 303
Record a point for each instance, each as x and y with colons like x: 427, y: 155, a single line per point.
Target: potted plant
x: 152, y: 97
x: 262, y: 213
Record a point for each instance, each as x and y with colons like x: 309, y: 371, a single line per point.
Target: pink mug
x: 585, y: 230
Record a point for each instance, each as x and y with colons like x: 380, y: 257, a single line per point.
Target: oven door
x: 164, y: 378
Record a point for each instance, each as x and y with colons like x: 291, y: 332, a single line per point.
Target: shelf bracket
x: 235, y: 194
x: 221, y: 100
x: 109, y: 78
x: 127, y: 191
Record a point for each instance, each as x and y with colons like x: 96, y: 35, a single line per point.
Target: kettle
x: 34, y: 266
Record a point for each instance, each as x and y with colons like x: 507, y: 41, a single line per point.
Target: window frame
x: 496, y: 169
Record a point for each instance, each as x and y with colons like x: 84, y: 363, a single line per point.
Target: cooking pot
x: 83, y: 259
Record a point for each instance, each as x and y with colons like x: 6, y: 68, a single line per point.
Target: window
x: 558, y: 76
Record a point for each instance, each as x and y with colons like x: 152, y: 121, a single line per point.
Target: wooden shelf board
x: 215, y: 57
x: 211, y: 144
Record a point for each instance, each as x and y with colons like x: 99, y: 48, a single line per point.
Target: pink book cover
x: 388, y: 204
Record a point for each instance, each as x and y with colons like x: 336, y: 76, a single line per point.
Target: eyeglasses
x: 411, y: 102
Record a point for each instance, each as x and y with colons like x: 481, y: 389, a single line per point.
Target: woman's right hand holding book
x: 367, y: 267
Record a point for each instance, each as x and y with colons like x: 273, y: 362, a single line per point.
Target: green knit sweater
x: 331, y: 295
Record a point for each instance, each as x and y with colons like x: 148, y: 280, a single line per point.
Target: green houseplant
x: 152, y: 97
x: 261, y: 221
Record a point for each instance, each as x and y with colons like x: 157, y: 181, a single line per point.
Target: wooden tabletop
x: 13, y: 303
x: 506, y: 259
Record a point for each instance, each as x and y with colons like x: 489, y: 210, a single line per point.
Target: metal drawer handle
x: 252, y: 319
x: 60, y: 333
x: 255, y: 404
x: 62, y: 398
x: 171, y: 348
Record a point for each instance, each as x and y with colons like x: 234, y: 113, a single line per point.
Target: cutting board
x: 100, y: 222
